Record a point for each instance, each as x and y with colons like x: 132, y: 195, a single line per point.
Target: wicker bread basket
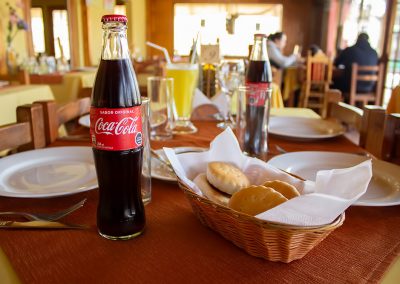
x: 272, y: 241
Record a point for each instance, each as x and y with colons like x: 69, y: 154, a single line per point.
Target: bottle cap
x: 260, y: 35
x: 114, y: 18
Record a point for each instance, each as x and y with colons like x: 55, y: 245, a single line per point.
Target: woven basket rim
x: 336, y: 223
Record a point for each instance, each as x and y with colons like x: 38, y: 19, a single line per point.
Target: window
x: 61, y: 34
x: 393, y: 69
x: 233, y: 25
x: 120, y: 9
x: 38, y: 28
x: 365, y: 16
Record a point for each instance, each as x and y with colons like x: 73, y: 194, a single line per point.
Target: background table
x: 177, y: 248
x: 69, y: 86
x: 13, y: 96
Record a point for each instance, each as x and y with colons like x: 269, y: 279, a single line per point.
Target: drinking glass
x: 252, y: 118
x: 185, y: 77
x: 162, y: 107
x: 230, y: 76
x: 146, y: 166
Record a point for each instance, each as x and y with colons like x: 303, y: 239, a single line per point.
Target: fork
x: 47, y: 217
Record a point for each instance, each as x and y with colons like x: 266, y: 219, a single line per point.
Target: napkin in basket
x: 320, y: 203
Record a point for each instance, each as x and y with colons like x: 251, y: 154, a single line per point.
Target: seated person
x: 361, y: 53
x: 315, y: 49
x: 275, y: 44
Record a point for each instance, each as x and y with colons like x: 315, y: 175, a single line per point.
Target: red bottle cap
x: 114, y: 18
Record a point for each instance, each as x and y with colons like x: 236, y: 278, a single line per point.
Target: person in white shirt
x: 275, y: 44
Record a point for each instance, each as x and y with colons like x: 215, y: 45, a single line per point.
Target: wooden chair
x: 318, y: 78
x: 381, y: 135
x: 394, y: 102
x: 349, y: 116
x: 27, y: 133
x: 22, y: 78
x: 55, y: 116
x: 391, y: 139
x: 358, y: 74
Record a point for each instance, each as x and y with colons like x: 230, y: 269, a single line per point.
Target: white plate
x: 161, y: 171
x: 48, y: 172
x: 304, y: 128
x: 383, y: 190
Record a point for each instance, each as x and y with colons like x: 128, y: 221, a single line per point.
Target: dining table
x: 13, y: 96
x: 176, y: 248
x: 67, y: 86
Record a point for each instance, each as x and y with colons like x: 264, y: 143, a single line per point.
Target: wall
x: 302, y: 21
x: 20, y: 41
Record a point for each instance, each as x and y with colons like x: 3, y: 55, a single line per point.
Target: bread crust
x: 284, y: 188
x: 210, y: 192
x: 255, y: 199
x: 226, y: 177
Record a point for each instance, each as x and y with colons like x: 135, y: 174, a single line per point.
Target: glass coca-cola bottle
x: 116, y: 133
x: 258, y: 82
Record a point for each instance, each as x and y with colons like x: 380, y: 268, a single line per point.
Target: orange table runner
x: 177, y: 248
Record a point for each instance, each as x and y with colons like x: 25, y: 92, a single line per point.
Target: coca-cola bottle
x: 258, y: 82
x: 116, y: 133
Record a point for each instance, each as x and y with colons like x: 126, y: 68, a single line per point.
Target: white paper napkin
x: 219, y: 100
x: 320, y: 203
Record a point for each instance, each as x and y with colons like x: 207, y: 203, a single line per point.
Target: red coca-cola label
x: 116, y: 129
x: 258, y: 93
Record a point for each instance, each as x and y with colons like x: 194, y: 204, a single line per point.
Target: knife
x: 39, y: 225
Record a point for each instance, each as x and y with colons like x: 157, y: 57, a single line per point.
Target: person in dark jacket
x: 361, y: 53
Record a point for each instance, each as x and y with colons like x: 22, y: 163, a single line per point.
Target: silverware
x: 280, y: 149
x: 47, y: 217
x: 39, y: 225
x: 161, y: 159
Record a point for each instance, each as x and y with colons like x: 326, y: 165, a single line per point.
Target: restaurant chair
x: 27, y: 133
x: 317, y: 81
x: 21, y: 77
x: 64, y: 115
x: 349, y: 116
x: 381, y: 133
x: 146, y: 69
x: 391, y: 139
x: 358, y: 73
x: 277, y: 76
x: 394, y: 101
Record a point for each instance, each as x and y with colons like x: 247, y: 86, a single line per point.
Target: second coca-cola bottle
x: 116, y: 133
x: 258, y: 82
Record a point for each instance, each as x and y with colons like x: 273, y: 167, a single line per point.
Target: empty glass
x: 160, y: 92
x: 146, y: 166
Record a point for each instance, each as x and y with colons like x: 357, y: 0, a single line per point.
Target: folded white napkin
x: 219, y: 100
x: 320, y: 203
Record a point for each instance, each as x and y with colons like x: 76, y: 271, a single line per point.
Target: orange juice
x: 185, y: 80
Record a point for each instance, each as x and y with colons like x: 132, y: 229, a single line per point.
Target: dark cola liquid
x: 120, y: 211
x: 255, y: 137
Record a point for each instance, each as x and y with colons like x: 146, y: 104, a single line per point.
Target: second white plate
x: 383, y: 190
x: 163, y: 172
x: 48, y: 172
x: 304, y: 128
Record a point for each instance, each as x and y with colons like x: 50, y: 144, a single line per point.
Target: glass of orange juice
x: 185, y: 80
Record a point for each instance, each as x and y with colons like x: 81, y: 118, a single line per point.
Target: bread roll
x: 255, y: 199
x: 210, y: 192
x: 287, y: 190
x: 226, y: 177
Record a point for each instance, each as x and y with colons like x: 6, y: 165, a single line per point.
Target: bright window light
x: 37, y: 30
x: 232, y: 24
x: 61, y: 34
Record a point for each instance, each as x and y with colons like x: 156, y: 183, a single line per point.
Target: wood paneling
x: 302, y: 21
